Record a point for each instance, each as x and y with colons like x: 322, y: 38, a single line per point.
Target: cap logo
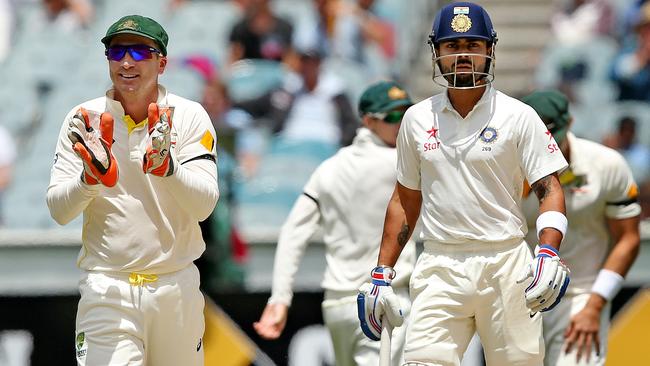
x: 128, y: 24
x: 461, y: 10
x: 461, y: 23
x: 396, y: 93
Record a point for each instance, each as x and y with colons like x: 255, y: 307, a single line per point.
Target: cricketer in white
x: 601, y: 243
x: 346, y: 197
x: 142, y: 185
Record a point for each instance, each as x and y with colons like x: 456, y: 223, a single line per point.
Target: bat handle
x: 384, y: 350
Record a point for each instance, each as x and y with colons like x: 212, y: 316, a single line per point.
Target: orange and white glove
x: 157, y: 159
x: 94, y: 148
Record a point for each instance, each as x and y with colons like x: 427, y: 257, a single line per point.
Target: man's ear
x: 366, y: 121
x: 162, y: 64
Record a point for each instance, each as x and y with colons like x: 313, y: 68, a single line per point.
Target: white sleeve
x: 408, y: 160
x: 194, y: 186
x: 621, y: 190
x: 538, y: 152
x: 300, y: 226
x: 67, y: 196
x: 194, y: 182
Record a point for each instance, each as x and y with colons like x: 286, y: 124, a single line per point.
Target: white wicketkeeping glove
x: 376, y: 300
x: 550, y: 279
x: 157, y: 158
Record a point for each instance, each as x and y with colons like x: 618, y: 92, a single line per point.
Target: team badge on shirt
x: 489, y: 135
x: 207, y: 141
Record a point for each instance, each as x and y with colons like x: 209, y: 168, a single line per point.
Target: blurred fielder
x: 346, y: 197
x: 462, y: 157
x: 143, y: 184
x: 602, y: 241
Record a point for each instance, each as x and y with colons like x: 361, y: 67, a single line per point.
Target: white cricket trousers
x: 462, y: 288
x: 351, y: 346
x: 158, y: 322
x: 556, y: 322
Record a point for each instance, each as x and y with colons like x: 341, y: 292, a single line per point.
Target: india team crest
x: 489, y: 135
x: 461, y: 23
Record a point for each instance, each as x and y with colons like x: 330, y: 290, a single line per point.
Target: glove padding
x: 550, y: 280
x: 157, y: 159
x: 94, y: 148
x: 377, y: 301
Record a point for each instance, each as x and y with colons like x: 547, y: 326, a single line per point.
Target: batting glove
x: 377, y: 301
x: 550, y: 280
x: 157, y: 159
x: 94, y: 148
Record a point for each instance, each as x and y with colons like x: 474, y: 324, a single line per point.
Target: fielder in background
x: 602, y: 241
x: 462, y: 157
x: 139, y: 163
x: 346, y: 197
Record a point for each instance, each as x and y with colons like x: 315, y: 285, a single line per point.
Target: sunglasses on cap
x: 388, y: 117
x: 138, y: 52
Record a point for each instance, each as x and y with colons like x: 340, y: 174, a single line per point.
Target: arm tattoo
x: 542, y: 188
x: 403, y: 236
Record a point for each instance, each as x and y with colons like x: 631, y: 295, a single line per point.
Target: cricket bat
x: 384, y: 348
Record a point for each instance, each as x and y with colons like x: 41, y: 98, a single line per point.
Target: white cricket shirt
x: 346, y: 196
x: 471, y: 170
x: 144, y: 224
x: 602, y: 187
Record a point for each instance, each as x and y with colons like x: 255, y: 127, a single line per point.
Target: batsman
x: 462, y: 157
x: 139, y: 163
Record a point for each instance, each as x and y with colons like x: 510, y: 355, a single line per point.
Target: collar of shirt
x: 116, y: 109
x: 445, y: 104
x: 364, y: 136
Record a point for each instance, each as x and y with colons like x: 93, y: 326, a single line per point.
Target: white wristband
x: 607, y: 284
x: 553, y: 219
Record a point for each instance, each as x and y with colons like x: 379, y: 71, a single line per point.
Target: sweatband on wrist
x: 552, y: 219
x: 607, y: 284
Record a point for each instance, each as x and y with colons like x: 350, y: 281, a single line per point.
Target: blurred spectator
x: 318, y: 110
x: 261, y: 34
x: 68, y: 15
x: 579, y: 21
x: 631, y: 69
x: 352, y: 31
x: 221, y: 264
x: 625, y: 141
x: 7, y: 158
x: 6, y: 27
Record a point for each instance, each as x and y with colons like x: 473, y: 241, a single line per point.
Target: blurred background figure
x: 636, y: 154
x: 261, y: 34
x: 7, y: 158
x: 631, y: 68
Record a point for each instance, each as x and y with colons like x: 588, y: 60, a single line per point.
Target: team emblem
x: 461, y: 23
x: 396, y: 93
x: 128, y: 24
x: 489, y: 135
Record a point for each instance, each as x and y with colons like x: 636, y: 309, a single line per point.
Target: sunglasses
x: 389, y: 117
x: 138, y: 52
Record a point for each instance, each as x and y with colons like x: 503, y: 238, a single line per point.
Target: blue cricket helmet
x: 462, y: 20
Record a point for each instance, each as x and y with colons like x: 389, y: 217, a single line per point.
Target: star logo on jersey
x: 549, y: 134
x: 489, y: 135
x: 433, y: 132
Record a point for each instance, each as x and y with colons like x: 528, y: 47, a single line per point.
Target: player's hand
x: 582, y: 332
x: 550, y: 280
x: 94, y: 148
x: 272, y: 322
x: 157, y: 159
x: 377, y: 301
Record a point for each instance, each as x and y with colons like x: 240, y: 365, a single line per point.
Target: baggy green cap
x: 141, y: 26
x: 552, y: 107
x: 383, y: 97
